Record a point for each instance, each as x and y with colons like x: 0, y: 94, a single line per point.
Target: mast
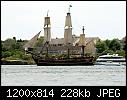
x: 83, y: 29
x: 83, y: 46
x: 47, y: 42
x: 47, y: 28
x: 68, y: 53
x: 47, y: 13
x: 47, y: 34
x: 68, y: 28
x: 68, y: 32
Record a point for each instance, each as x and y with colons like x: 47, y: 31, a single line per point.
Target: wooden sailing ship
x: 43, y: 58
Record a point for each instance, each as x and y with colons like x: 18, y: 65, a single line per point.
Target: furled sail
x: 31, y: 42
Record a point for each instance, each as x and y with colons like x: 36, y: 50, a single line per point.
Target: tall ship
x: 64, y: 51
x: 45, y: 57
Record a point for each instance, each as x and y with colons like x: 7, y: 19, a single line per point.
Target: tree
x: 120, y: 52
x: 115, y: 45
x: 107, y: 42
x: 8, y: 44
x: 123, y: 42
x: 101, y: 46
x: 108, y: 51
x: 18, y: 46
x: 6, y: 54
x: 124, y: 47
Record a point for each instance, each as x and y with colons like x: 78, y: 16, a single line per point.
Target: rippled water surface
x: 33, y: 75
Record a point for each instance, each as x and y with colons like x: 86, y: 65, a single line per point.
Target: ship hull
x: 65, y: 62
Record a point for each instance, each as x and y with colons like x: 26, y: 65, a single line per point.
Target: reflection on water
x: 33, y: 75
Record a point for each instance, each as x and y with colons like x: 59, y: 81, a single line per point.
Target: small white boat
x: 111, y: 60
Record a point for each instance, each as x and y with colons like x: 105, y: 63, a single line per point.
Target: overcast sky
x: 24, y: 19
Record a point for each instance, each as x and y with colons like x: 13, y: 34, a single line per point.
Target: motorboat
x: 109, y: 59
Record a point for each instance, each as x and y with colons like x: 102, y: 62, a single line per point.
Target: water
x: 33, y: 75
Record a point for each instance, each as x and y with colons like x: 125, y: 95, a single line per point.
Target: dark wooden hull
x: 65, y: 62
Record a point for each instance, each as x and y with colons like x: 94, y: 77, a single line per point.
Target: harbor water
x: 33, y: 75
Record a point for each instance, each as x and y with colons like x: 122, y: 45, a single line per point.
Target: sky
x: 24, y: 19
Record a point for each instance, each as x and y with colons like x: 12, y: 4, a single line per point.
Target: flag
x: 70, y: 6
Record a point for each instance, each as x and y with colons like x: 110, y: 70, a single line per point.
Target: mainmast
x: 68, y: 31
x: 47, y: 32
x: 68, y: 28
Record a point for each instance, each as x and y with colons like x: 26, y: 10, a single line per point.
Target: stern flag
x: 69, y: 8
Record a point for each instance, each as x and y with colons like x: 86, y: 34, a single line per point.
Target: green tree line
x: 12, y: 49
x: 114, y: 46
